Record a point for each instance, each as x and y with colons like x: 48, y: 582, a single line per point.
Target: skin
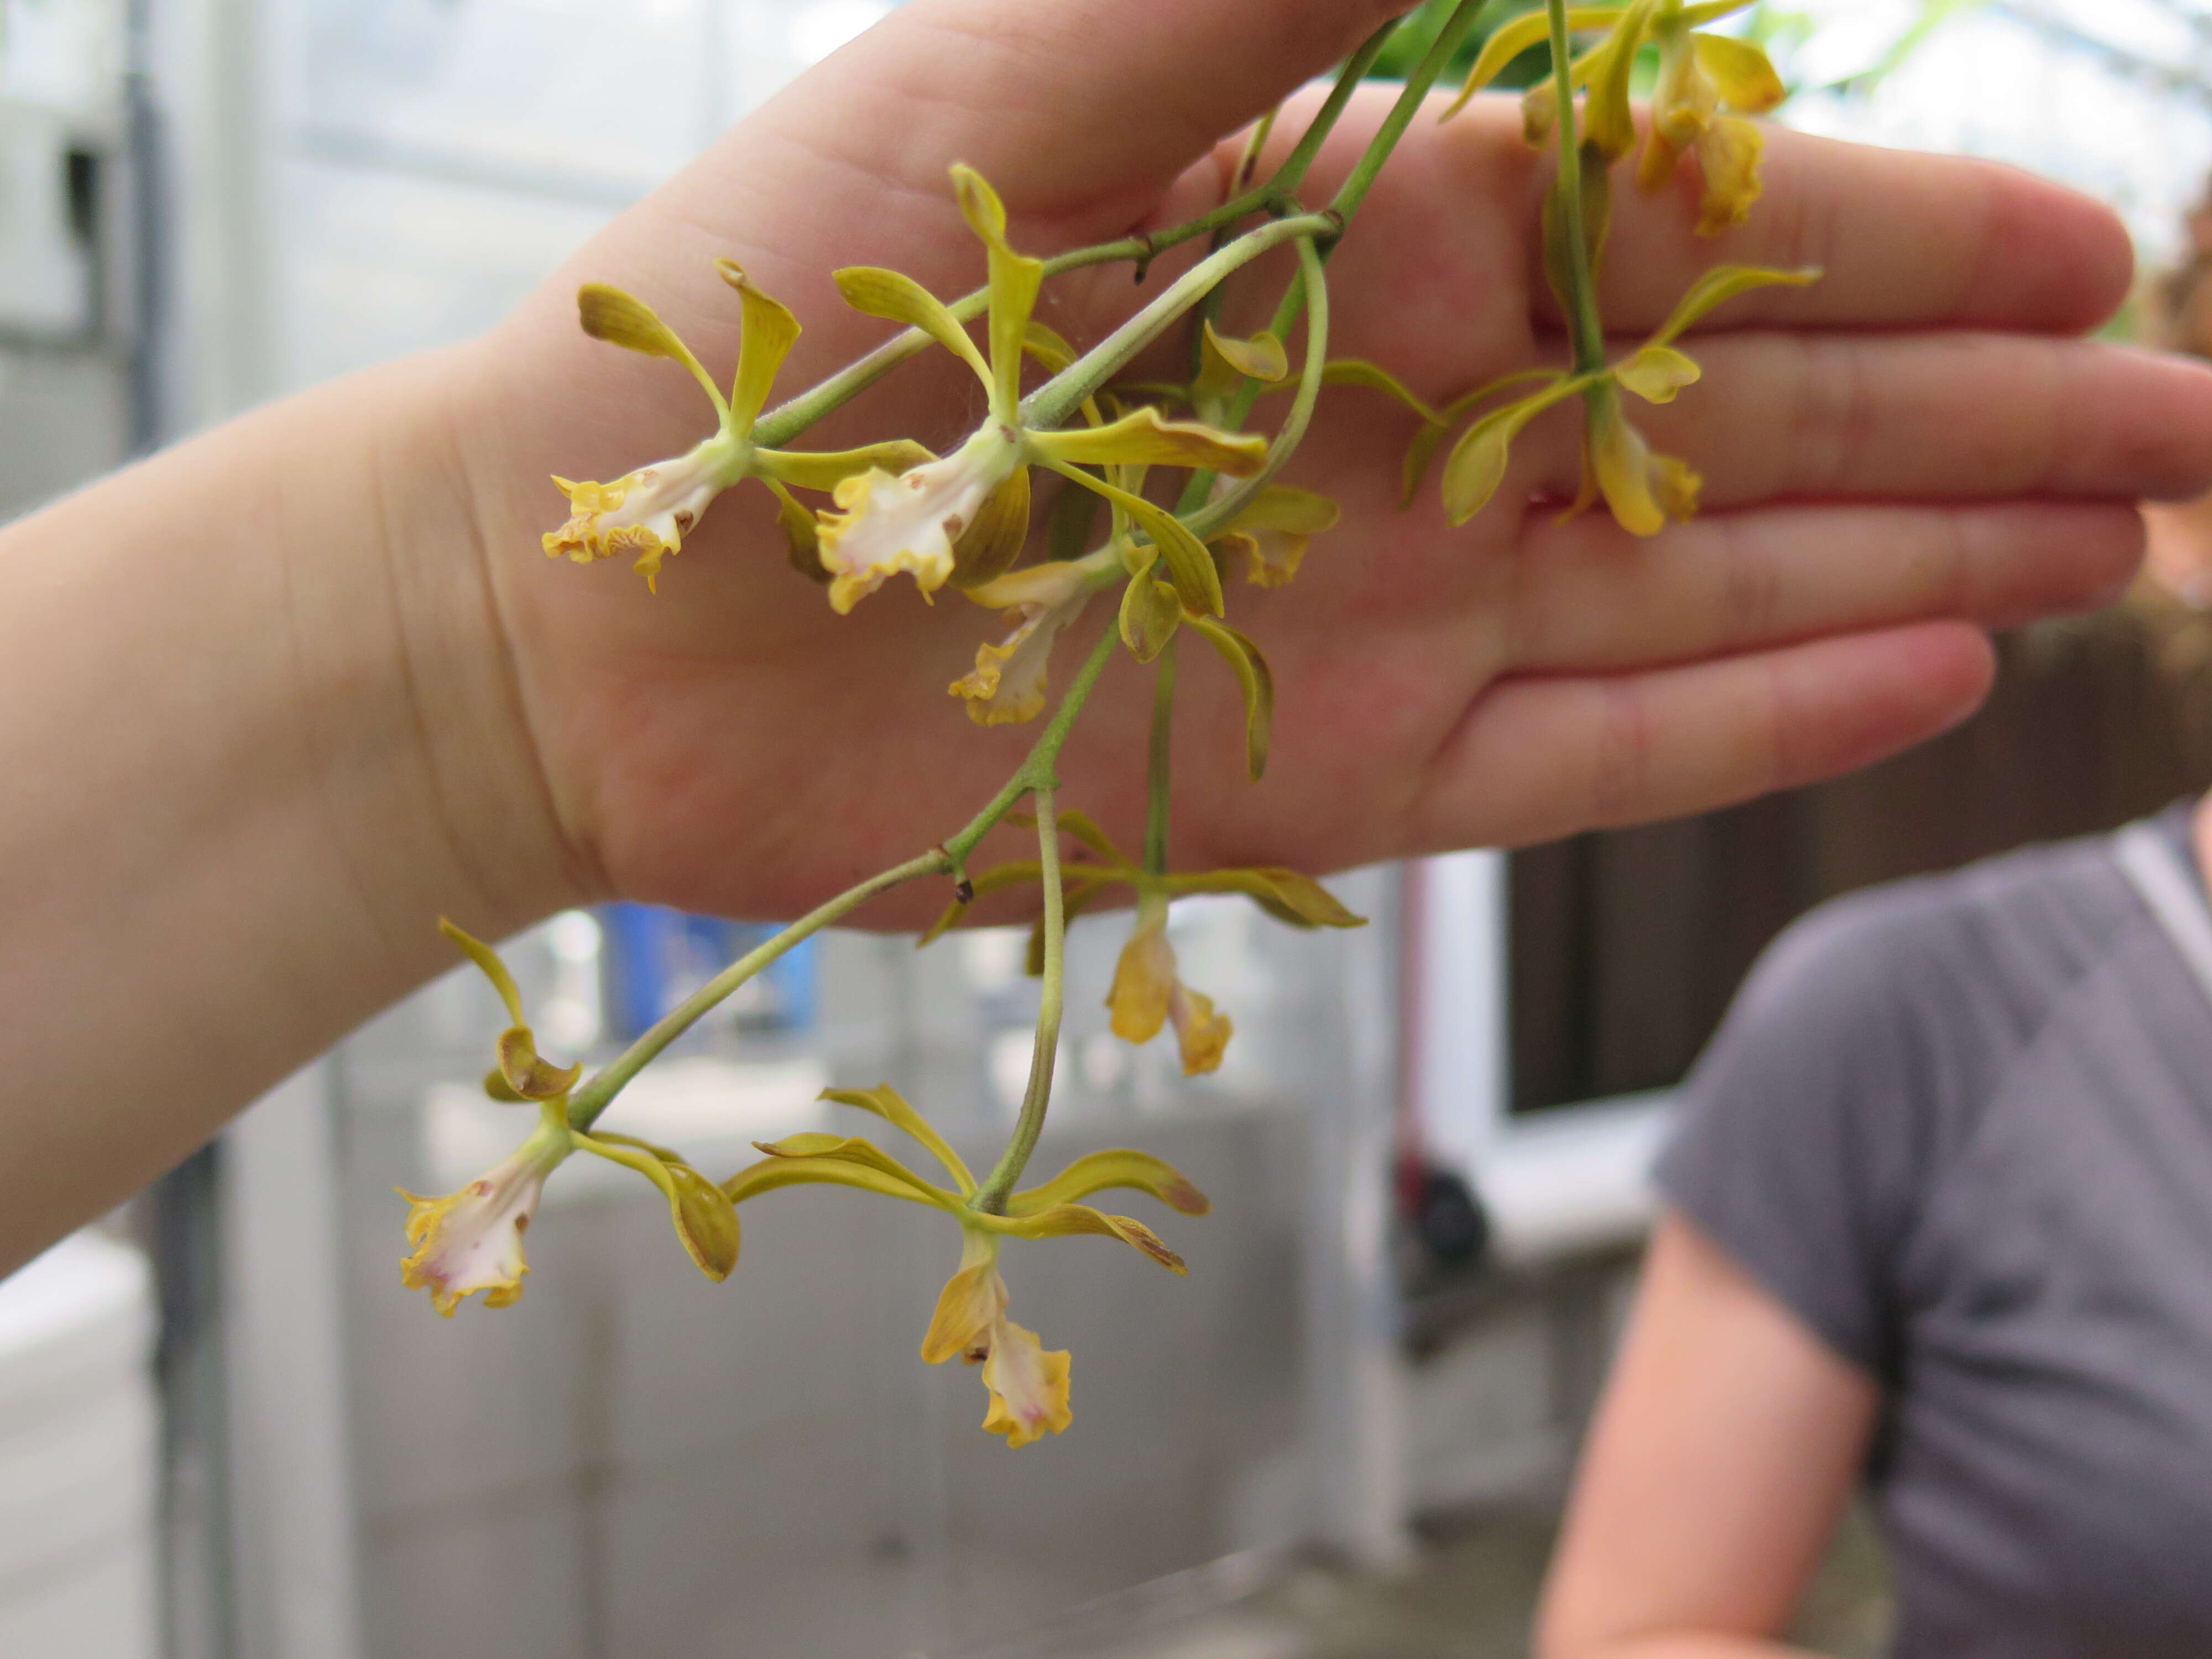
x: 271, y: 702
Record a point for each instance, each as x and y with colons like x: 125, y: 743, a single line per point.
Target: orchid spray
x: 964, y: 519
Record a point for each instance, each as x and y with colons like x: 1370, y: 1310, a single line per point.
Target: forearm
x: 259, y: 736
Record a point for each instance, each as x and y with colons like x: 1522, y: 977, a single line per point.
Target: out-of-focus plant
x: 1166, y: 565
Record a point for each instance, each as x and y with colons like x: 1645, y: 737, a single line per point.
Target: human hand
x: 1910, y: 453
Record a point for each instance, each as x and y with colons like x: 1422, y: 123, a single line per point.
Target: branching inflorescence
x: 965, y: 520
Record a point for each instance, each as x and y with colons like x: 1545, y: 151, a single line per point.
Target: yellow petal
x: 986, y: 549
x: 1151, y: 610
x: 1643, y: 490
x: 887, y: 1103
x: 1029, y: 1387
x: 1201, y: 1035
x: 1657, y: 373
x: 1740, y: 72
x: 805, y: 470
x: 494, y: 969
x: 1224, y: 362
x: 1142, y: 979
x: 1611, y: 125
x: 1358, y: 371
x: 1512, y: 38
x: 770, y: 333
x: 771, y: 1173
x: 530, y: 1077
x: 897, y: 297
x: 849, y: 1149
x: 1098, y: 1172
x: 1014, y: 284
x: 1142, y: 437
x: 1720, y: 285
x: 705, y: 1216
x: 802, y: 543
x: 1728, y: 152
x: 1080, y: 1220
x: 1189, y: 566
x: 1284, y: 894
x: 607, y: 313
x: 1476, y: 466
x: 1254, y: 679
x: 971, y: 1302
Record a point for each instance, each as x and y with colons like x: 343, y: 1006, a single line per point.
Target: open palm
x: 1911, y: 453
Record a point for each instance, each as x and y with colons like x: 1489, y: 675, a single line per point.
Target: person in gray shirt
x: 1939, y: 1218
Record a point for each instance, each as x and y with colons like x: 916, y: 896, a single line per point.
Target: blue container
x: 655, y: 958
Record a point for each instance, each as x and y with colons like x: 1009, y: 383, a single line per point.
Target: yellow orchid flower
x: 646, y: 514
x: 1644, y: 490
x: 1028, y: 1386
x: 471, y: 1239
x: 1007, y: 682
x: 964, y: 518
x: 1271, y: 533
x: 1149, y: 994
x: 1707, y: 84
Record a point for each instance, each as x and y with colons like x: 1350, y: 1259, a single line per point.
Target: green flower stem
x: 1052, y: 403
x: 991, y: 1198
x: 593, y: 1098
x: 1035, y: 773
x: 1205, y: 516
x: 1354, y: 189
x: 1162, y: 750
x: 787, y: 420
x: 1582, y: 286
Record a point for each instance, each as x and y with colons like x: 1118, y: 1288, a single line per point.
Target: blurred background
x: 226, y: 1431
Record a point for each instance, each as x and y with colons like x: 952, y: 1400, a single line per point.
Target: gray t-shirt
x: 1962, y: 1127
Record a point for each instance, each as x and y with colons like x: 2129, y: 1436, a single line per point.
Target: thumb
x: 1080, y: 111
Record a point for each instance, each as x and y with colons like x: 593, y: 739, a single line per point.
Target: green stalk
x: 593, y: 1098
x: 1206, y: 517
x: 1582, y: 289
x: 780, y: 425
x: 1158, y: 771
x: 1060, y: 397
x: 991, y: 1198
x: 1037, y: 771
x: 1355, y: 188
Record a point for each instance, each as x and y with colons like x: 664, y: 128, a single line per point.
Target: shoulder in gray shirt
x: 1962, y: 1128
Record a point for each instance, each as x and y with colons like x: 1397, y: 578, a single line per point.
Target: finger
x: 1082, y: 110
x: 1948, y: 417
x: 1585, y: 597
x: 1537, y: 759
x: 1903, y: 239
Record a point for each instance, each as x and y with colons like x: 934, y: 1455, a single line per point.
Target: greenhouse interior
x: 1351, y: 1432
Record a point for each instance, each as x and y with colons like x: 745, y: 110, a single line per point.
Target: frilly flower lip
x: 1028, y: 1385
x: 471, y: 1240
x: 1008, y: 681
x: 964, y: 518
x: 646, y: 514
x: 1700, y: 76
x: 911, y: 523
